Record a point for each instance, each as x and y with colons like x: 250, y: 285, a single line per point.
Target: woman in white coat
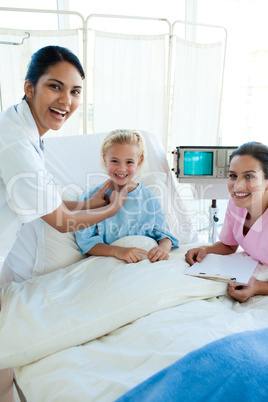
x: 52, y: 89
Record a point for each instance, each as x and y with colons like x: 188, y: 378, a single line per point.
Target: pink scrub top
x: 255, y: 242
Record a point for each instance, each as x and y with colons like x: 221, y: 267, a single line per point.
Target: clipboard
x: 232, y: 268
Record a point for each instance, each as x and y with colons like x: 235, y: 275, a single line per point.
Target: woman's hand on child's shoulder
x: 129, y: 254
x: 119, y: 198
x: 100, y: 199
x: 195, y: 255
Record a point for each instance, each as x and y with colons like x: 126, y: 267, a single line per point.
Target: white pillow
x: 144, y: 242
x: 56, y: 250
x: 40, y: 249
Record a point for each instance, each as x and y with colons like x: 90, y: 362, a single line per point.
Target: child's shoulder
x: 146, y: 191
x: 89, y: 191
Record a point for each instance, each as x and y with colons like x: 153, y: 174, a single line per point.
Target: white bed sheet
x: 104, y: 369
x: 162, y: 314
x: 89, y: 299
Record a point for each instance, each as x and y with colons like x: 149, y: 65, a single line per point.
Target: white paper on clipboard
x: 235, y: 268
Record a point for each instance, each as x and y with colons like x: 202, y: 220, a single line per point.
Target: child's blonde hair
x: 123, y: 137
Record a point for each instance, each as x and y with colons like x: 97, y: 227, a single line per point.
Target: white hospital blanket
x: 132, y: 319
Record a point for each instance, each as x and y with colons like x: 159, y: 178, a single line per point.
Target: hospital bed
x: 91, y: 329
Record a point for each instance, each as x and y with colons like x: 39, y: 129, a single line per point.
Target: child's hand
x: 129, y: 254
x: 158, y: 254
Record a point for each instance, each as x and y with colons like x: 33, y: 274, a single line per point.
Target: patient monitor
x: 206, y: 168
x: 193, y: 163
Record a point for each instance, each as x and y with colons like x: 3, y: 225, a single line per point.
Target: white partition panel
x: 197, y: 93
x: 135, y: 77
x: 129, y: 82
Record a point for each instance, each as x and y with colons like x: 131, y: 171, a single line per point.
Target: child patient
x: 123, y: 153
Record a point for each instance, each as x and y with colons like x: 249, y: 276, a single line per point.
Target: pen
x: 225, y: 277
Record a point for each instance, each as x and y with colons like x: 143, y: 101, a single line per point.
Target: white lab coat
x: 27, y: 191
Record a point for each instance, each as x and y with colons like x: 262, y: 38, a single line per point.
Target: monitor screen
x: 198, y: 163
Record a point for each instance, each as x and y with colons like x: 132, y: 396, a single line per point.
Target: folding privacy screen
x: 167, y: 81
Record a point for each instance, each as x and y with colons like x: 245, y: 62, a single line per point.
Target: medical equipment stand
x: 213, y: 220
x: 209, y: 189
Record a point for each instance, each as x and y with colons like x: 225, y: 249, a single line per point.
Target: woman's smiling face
x: 122, y: 162
x: 55, y: 96
x: 247, y: 184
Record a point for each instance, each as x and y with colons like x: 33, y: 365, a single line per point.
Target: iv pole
x: 213, y: 220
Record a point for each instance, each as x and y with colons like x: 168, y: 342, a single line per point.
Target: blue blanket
x: 234, y: 368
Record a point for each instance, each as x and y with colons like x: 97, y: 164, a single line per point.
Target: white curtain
x: 129, y: 82
x: 15, y: 60
x: 197, y: 93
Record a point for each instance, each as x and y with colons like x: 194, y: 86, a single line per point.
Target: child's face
x: 122, y: 162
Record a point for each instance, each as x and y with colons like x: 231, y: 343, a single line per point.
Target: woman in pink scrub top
x: 246, y: 219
